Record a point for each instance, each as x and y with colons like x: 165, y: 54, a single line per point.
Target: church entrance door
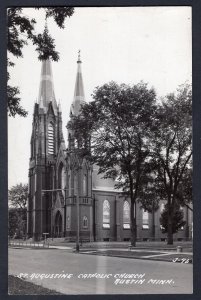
x: 58, y: 224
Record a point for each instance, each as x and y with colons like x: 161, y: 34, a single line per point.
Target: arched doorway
x: 58, y: 224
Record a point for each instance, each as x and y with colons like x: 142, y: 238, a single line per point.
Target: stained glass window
x: 106, y: 214
x: 68, y: 222
x: 145, y: 219
x: 85, y: 185
x: 126, y: 215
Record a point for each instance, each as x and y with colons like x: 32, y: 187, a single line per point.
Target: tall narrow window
x: 162, y: 207
x: 68, y: 222
x: 182, y: 211
x: 126, y: 215
x: 106, y: 214
x: 50, y: 139
x: 69, y: 185
x: 145, y: 219
x: 35, y: 182
x: 85, y: 185
x: 62, y: 178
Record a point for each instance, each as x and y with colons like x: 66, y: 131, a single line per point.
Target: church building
x: 66, y: 194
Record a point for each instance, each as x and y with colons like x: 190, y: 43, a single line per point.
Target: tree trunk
x: 133, y: 224
x: 169, y: 233
x: 153, y: 224
x: 187, y: 225
x: 133, y: 211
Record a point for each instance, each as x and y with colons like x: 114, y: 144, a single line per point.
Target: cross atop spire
x: 79, y: 59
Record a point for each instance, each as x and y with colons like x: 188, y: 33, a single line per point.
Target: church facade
x: 66, y: 194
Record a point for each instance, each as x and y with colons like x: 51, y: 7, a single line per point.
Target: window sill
x: 106, y: 226
x: 145, y: 228
x: 127, y: 227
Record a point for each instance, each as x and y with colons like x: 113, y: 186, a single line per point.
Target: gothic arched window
x: 35, y: 182
x: 106, y: 214
x: 50, y: 139
x: 145, y: 219
x: 162, y: 207
x: 84, y: 185
x: 181, y: 208
x: 85, y: 222
x: 75, y: 183
x: 68, y: 222
x: 69, y: 185
x: 126, y: 215
x: 62, y: 178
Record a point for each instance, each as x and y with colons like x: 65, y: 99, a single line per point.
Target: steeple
x: 79, y: 97
x: 46, y: 90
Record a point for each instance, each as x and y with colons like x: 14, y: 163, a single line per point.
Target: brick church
x: 63, y: 199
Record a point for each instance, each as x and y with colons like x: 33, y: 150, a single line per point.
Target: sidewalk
x: 38, y: 245
x: 157, y: 245
x: 145, y: 254
x: 158, y: 251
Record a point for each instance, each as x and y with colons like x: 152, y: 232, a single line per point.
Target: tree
x: 185, y: 192
x: 21, y: 29
x: 114, y: 130
x: 177, y: 219
x: 17, y: 197
x: 150, y: 197
x: 172, y: 151
x: 13, y: 221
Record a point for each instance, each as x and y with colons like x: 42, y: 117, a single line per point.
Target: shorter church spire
x: 79, y: 97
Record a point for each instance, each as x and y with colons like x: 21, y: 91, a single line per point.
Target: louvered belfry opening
x: 50, y: 139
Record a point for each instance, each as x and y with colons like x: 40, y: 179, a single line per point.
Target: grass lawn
x: 17, y: 286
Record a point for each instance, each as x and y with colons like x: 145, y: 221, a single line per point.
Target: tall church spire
x: 79, y: 97
x: 46, y: 90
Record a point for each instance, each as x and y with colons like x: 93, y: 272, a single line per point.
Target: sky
x: 126, y: 45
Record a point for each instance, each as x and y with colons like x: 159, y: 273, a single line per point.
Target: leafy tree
x: 17, y: 222
x: 13, y: 221
x: 150, y: 197
x: 172, y: 151
x: 21, y: 30
x: 114, y: 131
x: 17, y: 197
x: 177, y: 219
x: 185, y: 191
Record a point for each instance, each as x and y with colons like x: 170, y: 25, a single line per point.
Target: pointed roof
x: 46, y: 90
x: 79, y: 97
x: 59, y: 106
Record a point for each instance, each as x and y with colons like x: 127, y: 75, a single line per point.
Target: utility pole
x: 78, y: 168
x: 78, y: 214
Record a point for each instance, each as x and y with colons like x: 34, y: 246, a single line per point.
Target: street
x: 109, y: 275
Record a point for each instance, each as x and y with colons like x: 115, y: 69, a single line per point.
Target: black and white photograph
x: 100, y: 150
